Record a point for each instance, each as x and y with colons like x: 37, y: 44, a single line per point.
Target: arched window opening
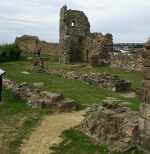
x: 73, y: 23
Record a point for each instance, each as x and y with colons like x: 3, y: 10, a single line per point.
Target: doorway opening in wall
x: 87, y: 55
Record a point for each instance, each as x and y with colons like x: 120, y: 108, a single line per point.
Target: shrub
x: 9, y: 52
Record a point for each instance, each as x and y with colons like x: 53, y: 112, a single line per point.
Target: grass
x: 17, y: 119
x: 16, y: 122
x: 133, y: 76
x: 76, y: 142
x: 81, y: 92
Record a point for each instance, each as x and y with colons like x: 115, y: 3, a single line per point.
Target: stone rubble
x: 103, y: 80
x: 37, y: 98
x: 132, y: 62
x: 112, y: 124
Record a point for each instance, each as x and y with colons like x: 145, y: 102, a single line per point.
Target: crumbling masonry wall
x: 77, y: 43
x: 30, y: 44
x: 144, y: 120
x: 132, y: 62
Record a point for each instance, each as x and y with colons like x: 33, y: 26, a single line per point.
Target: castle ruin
x: 77, y: 43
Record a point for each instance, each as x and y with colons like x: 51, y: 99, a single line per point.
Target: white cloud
x: 127, y: 20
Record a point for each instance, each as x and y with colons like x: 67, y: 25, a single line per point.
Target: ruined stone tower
x: 77, y: 43
x: 144, y: 120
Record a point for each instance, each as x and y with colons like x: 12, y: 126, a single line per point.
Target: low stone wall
x: 103, y: 80
x: 128, y: 62
x: 40, y: 99
x: 111, y: 124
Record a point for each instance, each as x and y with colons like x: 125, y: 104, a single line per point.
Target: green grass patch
x: 17, y: 119
x: 81, y: 92
x: 133, y: 76
x: 16, y: 122
x: 75, y: 142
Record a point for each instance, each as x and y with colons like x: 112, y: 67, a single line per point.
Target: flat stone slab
x: 26, y: 73
x: 38, y: 84
x: 128, y: 95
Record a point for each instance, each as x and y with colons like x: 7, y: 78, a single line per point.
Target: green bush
x: 9, y: 52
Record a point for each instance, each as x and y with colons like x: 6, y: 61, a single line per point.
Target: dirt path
x: 48, y: 132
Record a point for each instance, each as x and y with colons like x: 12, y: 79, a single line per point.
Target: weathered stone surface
x: 77, y: 43
x: 146, y: 62
x: 29, y: 44
x: 103, y: 80
x: 67, y: 105
x: 128, y: 62
x: 38, y: 84
x: 145, y: 111
x: 144, y: 120
x: 94, y: 60
x: 40, y: 99
x: 111, y: 124
x: 38, y: 64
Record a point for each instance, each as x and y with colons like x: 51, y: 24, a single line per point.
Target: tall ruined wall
x: 27, y: 43
x: 77, y: 43
x: 74, y: 25
x: 97, y: 44
x: 128, y: 62
x: 144, y: 120
x: 30, y: 44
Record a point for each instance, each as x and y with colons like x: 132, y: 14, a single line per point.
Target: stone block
x: 51, y: 97
x: 94, y: 60
x: 67, y: 105
x: 145, y: 54
x: 147, y: 75
x: 146, y: 62
x: 145, y: 111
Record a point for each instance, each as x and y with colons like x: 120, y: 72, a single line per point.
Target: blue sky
x: 127, y: 20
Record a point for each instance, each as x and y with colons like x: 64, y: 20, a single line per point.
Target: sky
x: 127, y: 20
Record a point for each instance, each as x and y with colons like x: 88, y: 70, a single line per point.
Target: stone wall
x: 128, y: 62
x: 102, y: 80
x: 144, y: 120
x: 37, y: 98
x: 97, y: 44
x: 77, y: 43
x: 30, y: 44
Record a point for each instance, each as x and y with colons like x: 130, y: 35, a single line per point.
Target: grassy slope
x: 77, y: 143
x: 16, y: 121
x: 134, y: 77
x: 83, y: 93
x: 19, y: 118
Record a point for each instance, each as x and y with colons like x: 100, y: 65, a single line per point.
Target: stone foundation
x: 37, y: 98
x: 102, y: 80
